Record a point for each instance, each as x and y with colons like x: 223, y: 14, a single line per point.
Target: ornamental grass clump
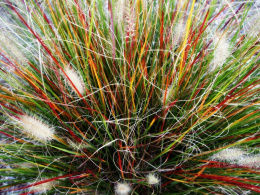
x: 129, y: 97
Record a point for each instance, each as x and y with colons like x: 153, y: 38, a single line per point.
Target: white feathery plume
x: 250, y: 161
x: 119, y: 12
x: 44, y: 186
x: 124, y: 14
x: 222, y: 50
x: 130, y: 18
x: 105, y: 3
x: 178, y: 32
x: 254, y: 27
x: 229, y: 154
x: 122, y: 189
x: 152, y: 179
x: 13, y: 49
x: 36, y: 128
x: 75, y: 79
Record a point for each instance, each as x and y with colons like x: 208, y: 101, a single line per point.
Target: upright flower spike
x: 229, y: 154
x: 8, y: 42
x: 178, y: 32
x: 254, y: 27
x: 130, y: 18
x: 119, y: 12
x: 221, y: 52
x: 122, y: 189
x: 152, y: 179
x: 36, y: 128
x: 76, y: 79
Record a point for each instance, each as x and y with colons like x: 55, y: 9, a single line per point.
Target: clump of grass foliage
x: 129, y: 97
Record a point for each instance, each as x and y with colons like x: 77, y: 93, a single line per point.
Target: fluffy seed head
x: 221, y: 52
x: 130, y: 18
x: 250, y: 161
x: 229, y: 154
x: 119, y: 11
x: 254, y: 27
x: 44, y: 186
x: 36, y: 128
x: 75, y: 79
x: 178, y: 32
x: 168, y: 94
x: 152, y: 179
x: 122, y: 189
x: 12, y: 48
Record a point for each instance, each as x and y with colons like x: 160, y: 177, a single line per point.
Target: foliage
x: 140, y: 97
